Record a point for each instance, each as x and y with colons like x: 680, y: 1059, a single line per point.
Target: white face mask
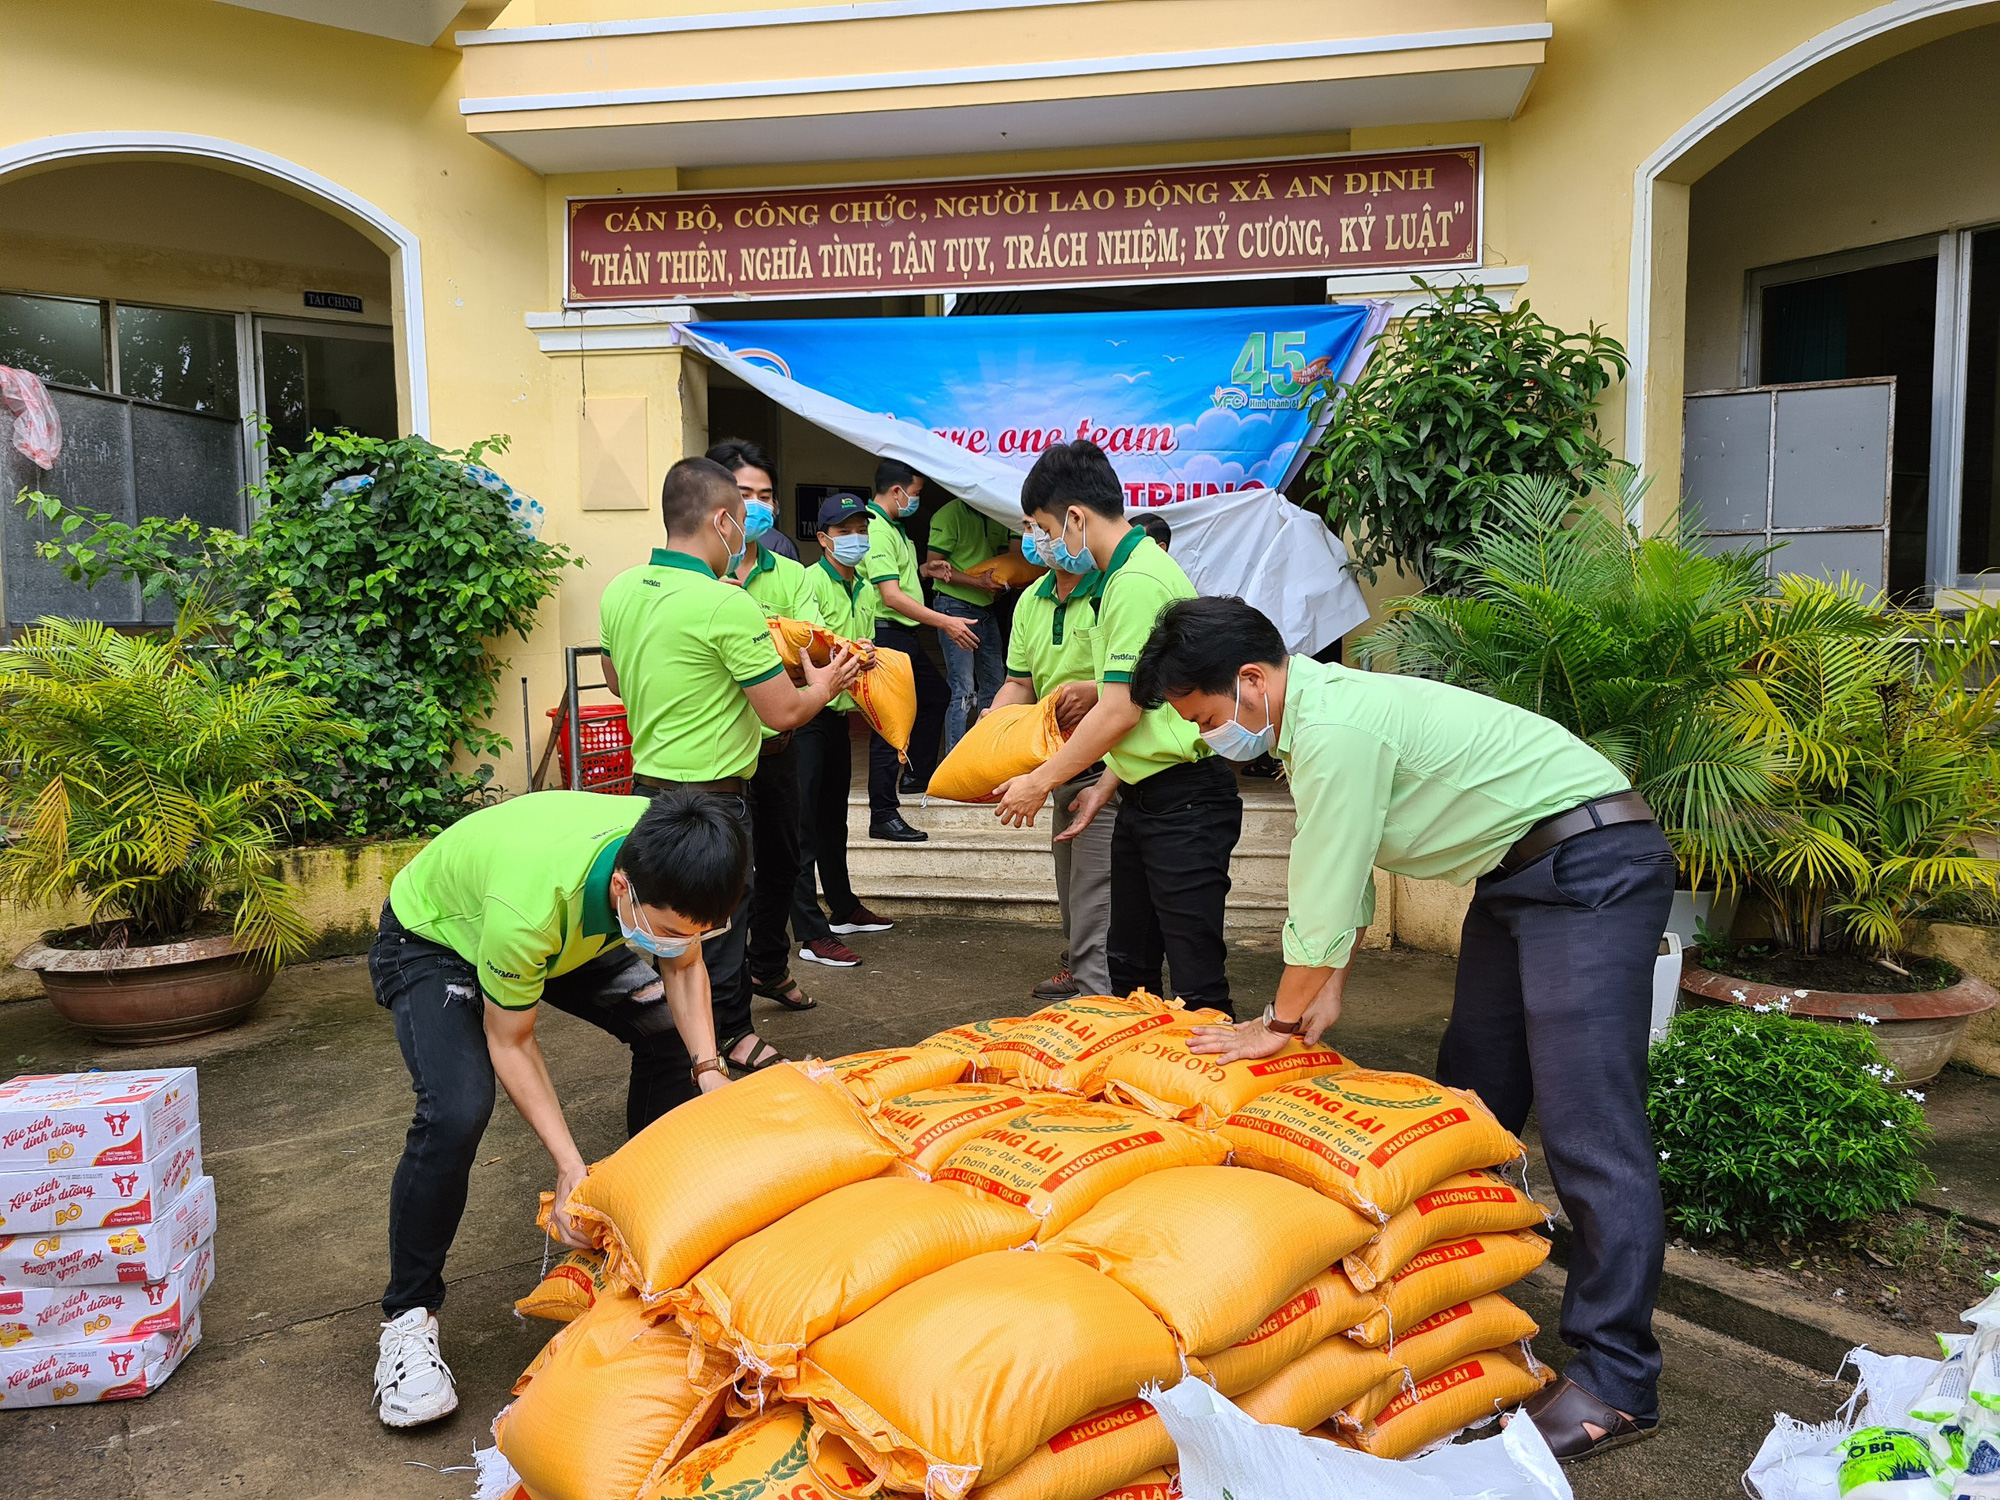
x: 1232, y: 741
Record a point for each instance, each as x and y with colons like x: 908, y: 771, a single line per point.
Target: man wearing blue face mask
x: 757, y: 481
x: 1555, y: 965
x: 599, y: 906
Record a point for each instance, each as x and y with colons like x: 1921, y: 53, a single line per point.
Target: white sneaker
x: 412, y: 1381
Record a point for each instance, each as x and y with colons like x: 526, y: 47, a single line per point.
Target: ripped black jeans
x: 440, y: 1016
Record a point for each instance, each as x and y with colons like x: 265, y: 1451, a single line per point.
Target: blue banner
x: 1186, y: 403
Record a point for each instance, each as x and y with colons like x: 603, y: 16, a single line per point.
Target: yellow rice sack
x: 1447, y: 1274
x: 1068, y: 1045
x: 1452, y: 1400
x: 1373, y: 1140
x: 1161, y: 1074
x: 1105, y: 1451
x: 1168, y: 1237
x: 720, y: 1167
x: 1154, y: 1484
x: 1317, y: 1384
x: 1441, y: 1341
x: 1005, y: 743
x: 1479, y: 1202
x: 617, y: 1402
x: 569, y: 1289
x: 772, y: 1293
x: 763, y: 1458
x: 886, y: 690
x: 1054, y: 1163
x: 926, y: 1126
x: 962, y: 1375
x: 971, y: 1039
x: 873, y: 1076
x: 1009, y: 570
x: 1324, y: 1306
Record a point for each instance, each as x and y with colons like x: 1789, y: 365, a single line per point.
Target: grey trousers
x: 1083, y: 889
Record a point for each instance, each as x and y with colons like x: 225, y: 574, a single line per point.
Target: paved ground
x: 303, y: 1111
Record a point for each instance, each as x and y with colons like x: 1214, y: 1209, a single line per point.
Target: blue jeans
x: 971, y: 677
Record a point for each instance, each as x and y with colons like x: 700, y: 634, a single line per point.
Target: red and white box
x: 118, y: 1314
x: 93, y: 1119
x: 99, y: 1257
x: 74, y: 1374
x: 68, y: 1197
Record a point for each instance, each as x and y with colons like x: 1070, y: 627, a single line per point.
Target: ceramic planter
x: 1916, y: 1034
x: 164, y: 993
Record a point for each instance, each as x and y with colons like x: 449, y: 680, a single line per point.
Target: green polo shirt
x: 842, y: 609
x: 1051, y: 638
x: 965, y: 538
x: 520, y: 890
x: 891, y: 555
x: 1140, y: 580
x: 685, y: 645
x: 1424, y: 779
x: 780, y: 586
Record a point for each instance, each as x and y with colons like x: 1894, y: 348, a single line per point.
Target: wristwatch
x: 708, y: 1065
x: 1283, y: 1028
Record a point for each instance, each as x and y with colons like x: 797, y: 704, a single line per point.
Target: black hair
x: 693, y: 488
x: 893, y: 471
x: 741, y: 453
x: 688, y: 854
x: 1155, y: 527
x: 1069, y: 474
x: 1199, y: 645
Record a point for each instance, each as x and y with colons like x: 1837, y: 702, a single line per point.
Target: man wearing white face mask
x: 1555, y: 965
x: 599, y: 906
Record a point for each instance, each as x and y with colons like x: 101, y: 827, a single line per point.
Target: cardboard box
x: 73, y: 1374
x: 99, y: 1257
x: 93, y: 1119
x: 70, y: 1197
x: 116, y: 1314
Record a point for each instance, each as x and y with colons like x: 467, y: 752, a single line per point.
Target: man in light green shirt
x: 1179, y: 812
x: 960, y: 539
x: 1555, y: 967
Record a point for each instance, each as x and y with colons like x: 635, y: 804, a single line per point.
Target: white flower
x: 1783, y: 1002
x: 1888, y: 1124
x: 1762, y: 1010
x: 1665, y: 1155
x: 1866, y: 1020
x: 1679, y: 1081
x: 1737, y: 995
x: 1913, y: 1094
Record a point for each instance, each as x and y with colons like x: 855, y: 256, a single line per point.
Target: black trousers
x: 727, y: 958
x: 932, y: 699
x: 440, y: 1016
x: 774, y: 798
x: 1555, y: 984
x: 825, y: 769
x: 1170, y: 881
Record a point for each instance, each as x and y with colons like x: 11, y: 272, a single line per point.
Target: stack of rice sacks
x: 811, y: 1284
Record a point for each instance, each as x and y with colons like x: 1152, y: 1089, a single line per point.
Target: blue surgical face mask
x: 736, y: 552
x: 1232, y: 741
x: 758, y: 518
x: 848, y: 550
x: 1035, y: 542
x: 1079, y: 561
x: 646, y: 940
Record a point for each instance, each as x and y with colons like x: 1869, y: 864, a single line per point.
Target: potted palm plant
x: 154, y: 793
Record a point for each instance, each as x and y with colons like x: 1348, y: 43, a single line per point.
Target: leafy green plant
x: 1766, y: 1123
x: 1450, y: 403
x: 378, y: 572
x: 152, y: 787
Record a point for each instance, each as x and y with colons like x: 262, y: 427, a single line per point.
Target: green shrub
x: 377, y: 572
x: 1766, y: 1123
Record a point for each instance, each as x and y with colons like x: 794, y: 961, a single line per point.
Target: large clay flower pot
x: 133, y: 996
x: 1916, y: 1034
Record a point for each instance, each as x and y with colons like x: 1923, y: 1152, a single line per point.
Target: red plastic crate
x: 606, y: 741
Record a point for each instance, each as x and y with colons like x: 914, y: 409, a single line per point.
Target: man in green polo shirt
x: 960, y: 539
x: 1179, y: 812
x: 701, y: 678
x: 1555, y: 964
x: 1049, y: 649
x: 597, y: 905
x: 896, y: 604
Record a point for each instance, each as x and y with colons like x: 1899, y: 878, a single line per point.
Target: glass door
x: 316, y: 377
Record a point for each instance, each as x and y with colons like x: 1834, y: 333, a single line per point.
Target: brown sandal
x: 1560, y: 1411
x: 785, y: 991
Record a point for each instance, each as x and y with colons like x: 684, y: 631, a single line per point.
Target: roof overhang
x: 902, y: 78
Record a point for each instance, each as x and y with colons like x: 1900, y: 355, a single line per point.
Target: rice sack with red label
x: 1067, y: 1046
x: 1162, y: 1074
x: 1445, y: 1275
x: 1479, y: 1202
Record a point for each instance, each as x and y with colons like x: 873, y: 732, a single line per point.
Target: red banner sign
x: 1375, y: 211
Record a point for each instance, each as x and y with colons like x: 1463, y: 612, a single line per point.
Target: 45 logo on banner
x: 1279, y: 381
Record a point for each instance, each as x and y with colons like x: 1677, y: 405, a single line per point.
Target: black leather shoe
x: 896, y: 831
x: 909, y: 786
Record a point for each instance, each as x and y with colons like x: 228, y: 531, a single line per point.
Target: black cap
x: 837, y: 508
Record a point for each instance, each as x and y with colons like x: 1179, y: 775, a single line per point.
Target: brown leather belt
x: 1604, y: 812
x: 776, y: 744
x: 727, y: 786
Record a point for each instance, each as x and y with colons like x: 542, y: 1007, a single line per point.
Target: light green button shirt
x: 891, y: 555
x: 1425, y: 780
x: 1140, y: 580
x: 966, y: 538
x: 1049, y: 643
